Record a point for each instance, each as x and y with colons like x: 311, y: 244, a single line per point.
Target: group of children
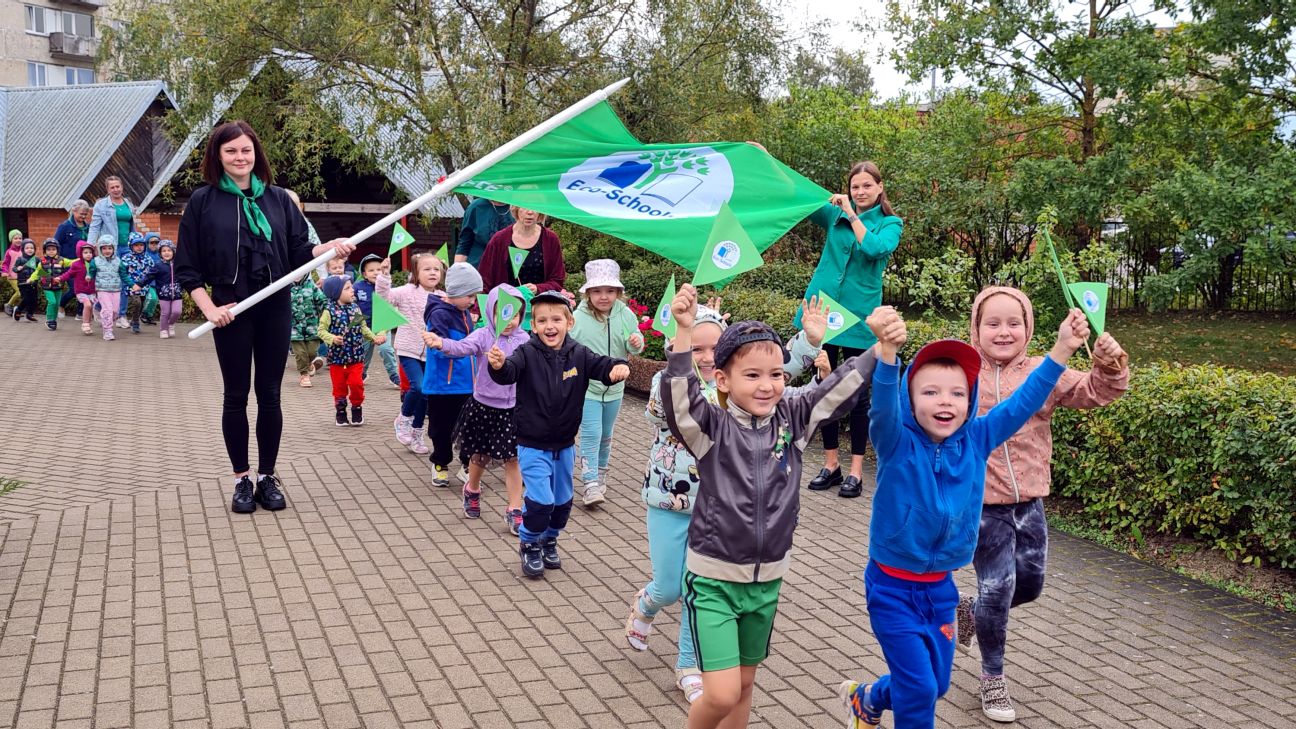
x: 98, y: 277
x: 729, y: 449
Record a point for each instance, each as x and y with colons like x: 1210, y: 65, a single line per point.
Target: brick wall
x: 42, y: 222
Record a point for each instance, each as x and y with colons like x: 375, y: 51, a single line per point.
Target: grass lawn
x: 1258, y: 342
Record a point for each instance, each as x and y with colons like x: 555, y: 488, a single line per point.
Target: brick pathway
x: 131, y: 597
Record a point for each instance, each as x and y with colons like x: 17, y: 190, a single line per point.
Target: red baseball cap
x: 961, y: 352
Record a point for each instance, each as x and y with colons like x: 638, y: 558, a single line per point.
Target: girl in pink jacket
x: 410, y: 300
x: 1012, y: 544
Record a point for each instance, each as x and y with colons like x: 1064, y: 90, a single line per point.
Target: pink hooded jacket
x: 1019, y: 469
x: 409, y: 300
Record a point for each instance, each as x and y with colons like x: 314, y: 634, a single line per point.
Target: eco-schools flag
x: 662, y: 197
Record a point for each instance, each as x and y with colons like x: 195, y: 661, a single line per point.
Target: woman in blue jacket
x: 862, y: 232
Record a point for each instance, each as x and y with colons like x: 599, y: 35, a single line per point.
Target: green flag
x: 662, y: 319
x: 526, y: 298
x: 385, y: 316
x: 400, y: 239
x: 663, y: 197
x: 481, y: 310
x: 517, y: 257
x: 839, y: 317
x: 729, y: 251
x: 506, y: 307
x: 1092, y: 298
x: 443, y: 253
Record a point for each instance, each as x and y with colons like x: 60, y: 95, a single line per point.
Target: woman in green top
x: 114, y: 215
x: 862, y: 232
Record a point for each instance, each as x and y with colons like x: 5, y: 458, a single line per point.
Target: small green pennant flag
x: 507, y: 306
x: 662, y: 319
x: 481, y: 310
x: 839, y: 317
x: 385, y: 316
x: 729, y: 251
x: 400, y: 239
x: 526, y: 297
x: 1057, y: 266
x: 516, y: 257
x: 1092, y: 298
x: 444, y: 254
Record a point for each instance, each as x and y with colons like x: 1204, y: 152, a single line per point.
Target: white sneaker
x: 62, y: 314
x: 171, y: 332
x: 462, y: 475
x: 416, y: 443
x: 594, y: 494
x: 164, y: 334
x: 404, y: 432
x: 122, y: 323
x: 995, y: 703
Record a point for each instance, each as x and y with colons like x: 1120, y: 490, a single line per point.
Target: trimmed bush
x: 1206, y: 453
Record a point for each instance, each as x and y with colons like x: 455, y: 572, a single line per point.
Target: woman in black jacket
x: 238, y: 234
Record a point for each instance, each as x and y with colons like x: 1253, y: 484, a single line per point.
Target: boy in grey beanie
x: 462, y: 280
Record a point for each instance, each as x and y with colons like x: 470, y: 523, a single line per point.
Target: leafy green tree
x: 838, y: 69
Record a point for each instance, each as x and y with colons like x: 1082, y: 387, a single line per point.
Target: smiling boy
x: 552, y: 372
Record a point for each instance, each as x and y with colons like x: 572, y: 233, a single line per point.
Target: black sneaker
x: 532, y: 564
x: 53, y: 325
x: 357, y: 415
x: 268, y: 494
x: 826, y: 479
x: 243, y: 502
x: 549, y: 553
x: 340, y: 416
x: 850, y: 488
x: 472, y: 503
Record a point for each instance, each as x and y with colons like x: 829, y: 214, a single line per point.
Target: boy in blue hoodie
x: 932, y: 449
x: 447, y: 382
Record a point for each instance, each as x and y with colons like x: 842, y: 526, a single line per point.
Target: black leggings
x: 859, y: 420
x: 27, y: 300
x: 442, y: 415
x: 259, y: 338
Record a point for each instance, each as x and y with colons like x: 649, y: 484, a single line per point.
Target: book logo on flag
x: 726, y: 254
x: 643, y: 185
x: 1090, y: 301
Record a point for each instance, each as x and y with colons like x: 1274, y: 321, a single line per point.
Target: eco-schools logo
x: 1090, y: 300
x: 835, y: 320
x: 668, y: 183
x: 725, y: 255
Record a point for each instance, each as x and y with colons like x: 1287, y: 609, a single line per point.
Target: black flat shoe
x: 850, y: 488
x: 268, y: 494
x: 826, y: 479
x: 243, y: 503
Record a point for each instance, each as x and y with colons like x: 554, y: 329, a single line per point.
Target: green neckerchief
x: 251, y: 210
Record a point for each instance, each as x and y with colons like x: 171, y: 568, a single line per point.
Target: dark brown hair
x: 212, y: 169
x: 872, y: 169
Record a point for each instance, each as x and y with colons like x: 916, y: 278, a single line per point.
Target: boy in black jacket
x: 551, y: 372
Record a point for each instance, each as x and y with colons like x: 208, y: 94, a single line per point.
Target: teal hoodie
x: 608, y: 338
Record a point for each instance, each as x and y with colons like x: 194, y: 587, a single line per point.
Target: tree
x: 1247, y: 46
x: 840, y: 69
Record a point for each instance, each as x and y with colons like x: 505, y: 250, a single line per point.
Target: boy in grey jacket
x: 748, y: 453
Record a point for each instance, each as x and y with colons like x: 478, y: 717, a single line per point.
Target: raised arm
x: 688, y: 414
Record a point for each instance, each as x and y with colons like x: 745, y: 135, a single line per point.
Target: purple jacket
x: 478, y: 343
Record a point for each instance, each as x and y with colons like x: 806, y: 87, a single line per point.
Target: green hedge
x: 1201, y: 452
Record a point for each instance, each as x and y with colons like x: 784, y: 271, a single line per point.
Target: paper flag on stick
x: 839, y: 318
x: 481, y: 310
x: 728, y: 252
x: 444, y: 254
x: 1092, y: 298
x: 385, y: 316
x: 662, y: 319
x: 400, y: 239
x: 526, y: 297
x: 507, y: 306
x: 1057, y: 266
x: 516, y: 257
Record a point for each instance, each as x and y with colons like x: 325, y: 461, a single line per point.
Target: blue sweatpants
x: 548, y: 502
x: 667, y: 548
x: 597, y: 419
x: 914, y: 623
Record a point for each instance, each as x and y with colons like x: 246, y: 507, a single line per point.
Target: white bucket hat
x: 602, y: 272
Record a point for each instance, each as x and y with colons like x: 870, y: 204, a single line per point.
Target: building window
x: 36, y: 74
x: 78, y: 24
x: 42, y: 21
x: 78, y: 76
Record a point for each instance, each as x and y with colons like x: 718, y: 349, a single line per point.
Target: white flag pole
x: 442, y: 188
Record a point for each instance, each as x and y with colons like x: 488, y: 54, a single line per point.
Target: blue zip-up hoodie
x: 443, y: 375
x: 927, y: 505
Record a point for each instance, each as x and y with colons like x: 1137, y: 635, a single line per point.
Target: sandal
x: 689, y: 681
x: 638, y: 639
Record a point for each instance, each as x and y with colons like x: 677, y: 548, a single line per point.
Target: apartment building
x: 49, y: 42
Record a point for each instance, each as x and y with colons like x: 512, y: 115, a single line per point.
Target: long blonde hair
x: 416, y: 263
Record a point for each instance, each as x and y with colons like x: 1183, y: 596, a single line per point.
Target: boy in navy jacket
x: 932, y: 450
x: 552, y: 372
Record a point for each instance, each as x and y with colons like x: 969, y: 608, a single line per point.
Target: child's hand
x: 635, y: 341
x: 883, y: 320
x: 713, y: 304
x: 684, y: 306
x: 385, y: 266
x: 495, y: 357
x: 814, y: 320
x: 1108, y: 354
x: 822, y: 364
x: 619, y: 373
x: 432, y: 340
x: 1072, y: 334
x: 380, y: 339
x: 135, y: 287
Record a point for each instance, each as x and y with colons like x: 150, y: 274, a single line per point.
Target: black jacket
x: 551, y: 386
x: 213, y: 222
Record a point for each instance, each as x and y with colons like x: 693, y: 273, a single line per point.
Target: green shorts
x: 732, y: 621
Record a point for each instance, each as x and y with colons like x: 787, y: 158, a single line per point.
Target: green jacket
x: 607, y: 338
x: 308, y: 303
x: 851, y: 272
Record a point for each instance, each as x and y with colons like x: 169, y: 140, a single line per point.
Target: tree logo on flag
x: 506, y: 312
x: 726, y: 254
x: 835, y: 320
x: 675, y: 183
x: 1090, y: 300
